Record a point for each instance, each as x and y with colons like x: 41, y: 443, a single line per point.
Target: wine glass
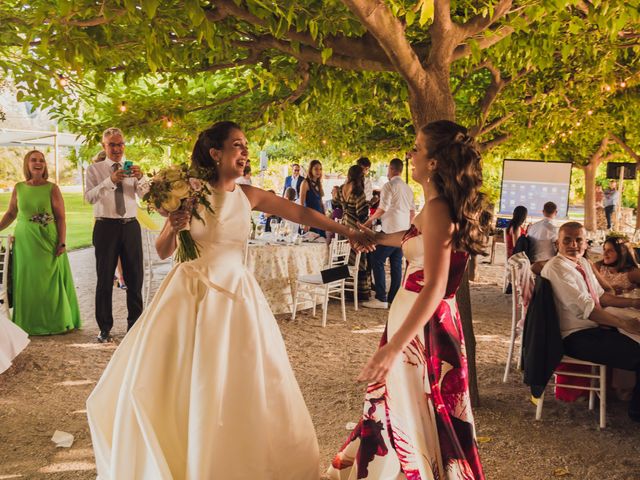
x: 273, y: 225
x: 259, y: 230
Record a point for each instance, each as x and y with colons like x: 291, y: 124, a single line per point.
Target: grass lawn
x: 79, y: 219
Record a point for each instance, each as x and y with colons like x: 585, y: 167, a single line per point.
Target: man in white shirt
x: 543, y: 234
x: 365, y: 164
x: 396, y: 212
x: 116, y: 233
x: 590, y: 331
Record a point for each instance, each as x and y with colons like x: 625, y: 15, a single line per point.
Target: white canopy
x: 10, y: 137
x: 34, y: 138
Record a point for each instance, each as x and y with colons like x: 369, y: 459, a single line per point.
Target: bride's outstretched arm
x: 166, y: 242
x: 269, y: 203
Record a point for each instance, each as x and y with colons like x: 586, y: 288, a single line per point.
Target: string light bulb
x: 62, y: 81
x: 578, y: 123
x: 590, y: 112
x: 607, y: 87
x: 623, y: 84
x: 123, y: 106
x: 168, y: 122
x: 324, y: 141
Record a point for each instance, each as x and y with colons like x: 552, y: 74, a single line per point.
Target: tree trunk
x: 434, y: 101
x: 463, y: 298
x: 590, y: 196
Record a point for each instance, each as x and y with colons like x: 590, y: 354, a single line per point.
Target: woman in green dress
x: 44, y: 298
x: 355, y: 210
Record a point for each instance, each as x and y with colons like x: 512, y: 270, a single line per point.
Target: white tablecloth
x: 276, y: 268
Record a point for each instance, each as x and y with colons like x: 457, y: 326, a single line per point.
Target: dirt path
x: 46, y: 390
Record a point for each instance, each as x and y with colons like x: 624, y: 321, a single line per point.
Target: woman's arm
x: 436, y: 237
x: 386, y: 239
x: 57, y: 205
x: 606, y: 286
x: 166, y: 242
x: 633, y: 275
x: 269, y: 203
x: 11, y: 213
x: 303, y: 192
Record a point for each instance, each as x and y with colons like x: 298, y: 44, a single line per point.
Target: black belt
x: 116, y: 220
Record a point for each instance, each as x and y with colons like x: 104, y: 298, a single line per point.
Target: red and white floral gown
x: 418, y: 424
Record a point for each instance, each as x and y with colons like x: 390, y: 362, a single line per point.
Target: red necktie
x: 592, y: 292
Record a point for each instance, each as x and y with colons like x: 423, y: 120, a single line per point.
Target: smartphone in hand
x: 127, y: 167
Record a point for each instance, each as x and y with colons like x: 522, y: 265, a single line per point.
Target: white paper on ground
x: 62, y: 439
x: 351, y: 425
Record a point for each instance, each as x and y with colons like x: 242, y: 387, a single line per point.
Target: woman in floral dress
x: 417, y: 422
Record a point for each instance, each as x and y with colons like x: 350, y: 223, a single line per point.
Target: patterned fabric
x: 356, y: 209
x: 418, y: 424
x: 618, y: 280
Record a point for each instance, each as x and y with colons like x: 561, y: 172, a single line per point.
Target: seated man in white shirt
x: 590, y: 331
x: 543, y: 234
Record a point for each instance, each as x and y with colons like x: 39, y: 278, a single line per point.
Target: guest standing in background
x: 396, y: 212
x: 44, y: 297
x: 611, y: 199
x: 294, y: 180
x: 355, y: 208
x: 365, y: 164
x: 116, y: 233
x: 311, y: 191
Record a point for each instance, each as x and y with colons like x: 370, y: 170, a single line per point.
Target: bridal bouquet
x: 180, y: 187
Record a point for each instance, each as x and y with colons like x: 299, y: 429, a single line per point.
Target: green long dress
x: 44, y: 298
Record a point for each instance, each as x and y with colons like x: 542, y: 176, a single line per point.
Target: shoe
x: 634, y: 407
x: 105, y: 337
x: 375, y: 303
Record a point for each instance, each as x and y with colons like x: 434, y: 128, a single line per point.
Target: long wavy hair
x: 626, y: 255
x: 315, y: 184
x: 212, y: 137
x: 458, y: 178
x: 355, y: 176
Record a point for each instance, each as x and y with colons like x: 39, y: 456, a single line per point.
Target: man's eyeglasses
x: 114, y: 145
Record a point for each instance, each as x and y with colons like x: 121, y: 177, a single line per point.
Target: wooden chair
x: 310, y: 286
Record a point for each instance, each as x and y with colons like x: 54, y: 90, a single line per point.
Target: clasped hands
x: 363, y: 239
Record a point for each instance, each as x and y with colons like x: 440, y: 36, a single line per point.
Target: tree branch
x: 442, y: 13
x: 376, y: 17
x: 93, y: 22
x: 625, y: 147
x: 494, y: 142
x: 596, y: 157
x: 495, y: 124
x: 222, y: 101
x: 479, y: 23
x: 464, y: 50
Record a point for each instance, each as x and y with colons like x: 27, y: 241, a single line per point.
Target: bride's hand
x: 360, y: 241
x: 379, y: 364
x: 179, y: 219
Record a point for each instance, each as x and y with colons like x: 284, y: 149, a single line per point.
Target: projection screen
x: 532, y: 183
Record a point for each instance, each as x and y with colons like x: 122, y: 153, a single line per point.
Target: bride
x: 201, y: 387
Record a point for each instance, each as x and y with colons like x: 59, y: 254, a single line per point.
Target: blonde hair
x: 25, y: 165
x: 111, y: 131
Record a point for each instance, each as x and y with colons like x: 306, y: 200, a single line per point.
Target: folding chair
x: 310, y: 286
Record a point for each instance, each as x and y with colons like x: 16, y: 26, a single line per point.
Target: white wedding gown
x: 201, y: 387
x: 12, y: 341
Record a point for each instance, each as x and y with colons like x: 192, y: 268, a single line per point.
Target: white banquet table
x: 277, y: 266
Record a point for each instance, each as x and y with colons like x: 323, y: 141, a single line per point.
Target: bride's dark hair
x: 458, y: 178
x: 212, y: 137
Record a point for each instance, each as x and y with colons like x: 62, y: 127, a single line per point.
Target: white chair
x: 6, y: 244
x: 148, y: 244
x: 516, y: 264
x: 597, y: 386
x: 351, y: 283
x: 310, y: 286
x: 506, y: 276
